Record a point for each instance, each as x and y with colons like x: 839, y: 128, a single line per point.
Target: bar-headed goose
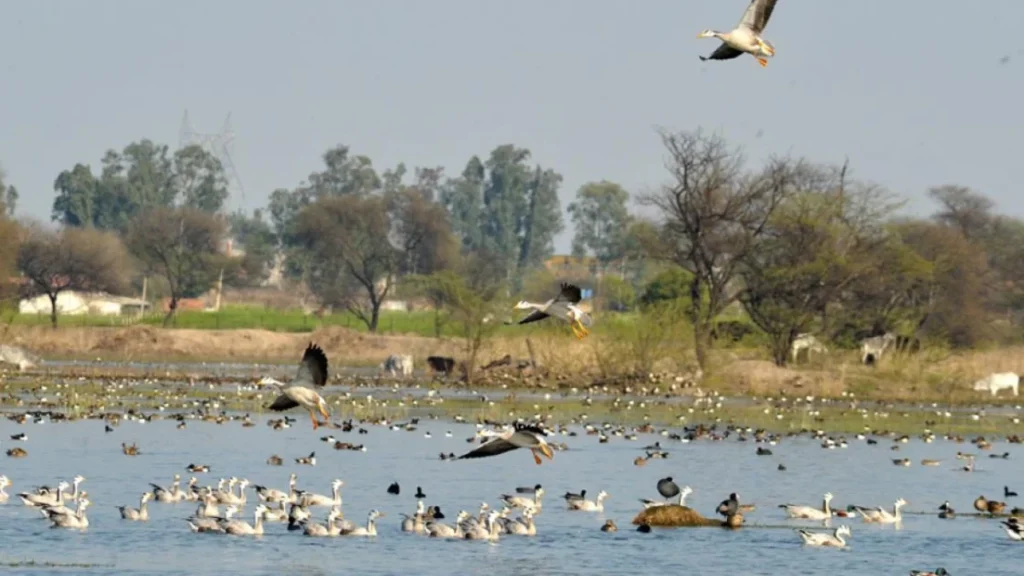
x: 243, y: 528
x: 439, y: 530
x: 322, y: 500
x: 273, y: 495
x: 517, y: 501
x: 141, y: 514
x: 371, y: 526
x: 810, y: 512
x: 78, y: 520
x: 45, y: 497
x: 211, y: 523
x: 4, y: 483
x: 835, y: 539
x: 590, y: 505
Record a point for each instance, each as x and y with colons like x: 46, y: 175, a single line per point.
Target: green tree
x: 601, y: 220
x: 8, y: 196
x: 77, y: 194
x: 258, y: 244
x: 199, y: 180
x: 462, y: 197
x: 818, y: 242
x: 344, y: 174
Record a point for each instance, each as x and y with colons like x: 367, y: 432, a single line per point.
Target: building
x: 74, y: 303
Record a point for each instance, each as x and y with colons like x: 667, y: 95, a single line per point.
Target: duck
x: 127, y: 450
x: 17, y: 452
x: 141, y: 514
x: 810, y: 512
x: 439, y: 530
x: 322, y: 500
x: 419, y: 493
x: 77, y: 520
x: 946, y: 511
x: 534, y: 501
x: 242, y: 528
x: 730, y: 506
x: 609, y: 526
x: 1007, y: 493
x: 307, y: 460
x: 937, y: 572
x: 1013, y: 529
x: 836, y: 539
x: 881, y: 515
x: 275, y: 460
x: 981, y: 504
x: 197, y: 468
x: 4, y: 483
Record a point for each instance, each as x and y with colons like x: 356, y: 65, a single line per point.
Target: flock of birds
x: 218, y: 507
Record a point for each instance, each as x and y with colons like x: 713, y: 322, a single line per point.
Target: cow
x: 441, y: 364
x: 998, y: 381
x: 806, y: 342
x: 871, y: 349
x: 398, y: 364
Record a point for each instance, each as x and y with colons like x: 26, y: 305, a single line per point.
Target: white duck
x: 210, y: 523
x: 273, y: 495
x: 4, y: 483
x: 45, y: 497
x: 439, y: 530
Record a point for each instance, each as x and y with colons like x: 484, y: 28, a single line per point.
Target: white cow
x: 398, y: 364
x: 998, y: 381
x: 806, y: 342
x: 17, y: 356
x: 871, y: 349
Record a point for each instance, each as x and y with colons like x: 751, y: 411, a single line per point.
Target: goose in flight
x: 312, y: 371
x: 521, y: 436
x: 564, y: 307
x: 746, y: 37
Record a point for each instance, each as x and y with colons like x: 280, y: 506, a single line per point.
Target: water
x: 568, y: 543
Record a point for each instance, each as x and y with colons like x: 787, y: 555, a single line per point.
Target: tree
x: 8, y: 196
x: 351, y: 260
x: 74, y: 203
x: 343, y: 175
x: 199, y: 180
x: 9, y: 246
x: 259, y: 245
x: 601, y: 220
x: 819, y: 241
x: 714, y: 215
x: 421, y: 232
x: 463, y: 199
x: 182, y: 245
x: 964, y: 209
x: 72, y: 259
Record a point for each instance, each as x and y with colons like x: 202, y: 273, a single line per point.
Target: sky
x: 916, y: 93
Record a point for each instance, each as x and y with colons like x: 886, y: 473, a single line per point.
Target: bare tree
x: 183, y: 246
x: 82, y: 259
x: 964, y: 209
x: 351, y: 260
x: 713, y: 215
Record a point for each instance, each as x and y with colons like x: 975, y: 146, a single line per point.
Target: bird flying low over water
x: 564, y: 307
x: 521, y: 436
x: 312, y: 371
x: 746, y: 37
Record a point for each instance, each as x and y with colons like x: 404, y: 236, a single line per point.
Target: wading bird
x: 312, y: 370
x: 564, y: 307
x: 746, y: 37
x: 521, y: 436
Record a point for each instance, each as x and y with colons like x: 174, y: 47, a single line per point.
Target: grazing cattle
x: 398, y: 364
x: 441, y: 364
x: 18, y: 357
x: 807, y: 342
x: 871, y: 349
x: 998, y: 381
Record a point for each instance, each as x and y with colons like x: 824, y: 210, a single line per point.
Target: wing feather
x: 313, y: 367
x: 492, y: 448
x: 282, y: 403
x: 724, y: 52
x: 530, y: 428
x: 757, y: 14
x: 533, y: 317
x: 570, y: 293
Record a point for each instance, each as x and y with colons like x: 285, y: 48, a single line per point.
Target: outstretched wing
x: 724, y: 52
x: 570, y: 293
x: 757, y: 15
x: 530, y: 428
x: 282, y: 403
x: 492, y: 448
x: 313, y: 368
x: 533, y: 317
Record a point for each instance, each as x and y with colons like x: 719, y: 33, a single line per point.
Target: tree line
x: 798, y: 246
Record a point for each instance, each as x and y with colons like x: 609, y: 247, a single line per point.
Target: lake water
x: 568, y: 543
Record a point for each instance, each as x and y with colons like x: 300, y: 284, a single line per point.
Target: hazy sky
x: 916, y: 92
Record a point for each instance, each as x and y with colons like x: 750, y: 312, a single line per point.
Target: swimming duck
x: 369, y: 530
x: 197, y: 468
x: 609, y: 526
x: 938, y: 572
x: 140, y: 514
x: 590, y: 505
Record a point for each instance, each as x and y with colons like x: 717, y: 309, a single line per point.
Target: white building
x: 72, y: 303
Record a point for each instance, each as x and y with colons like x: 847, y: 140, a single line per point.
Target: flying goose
x: 312, y: 371
x: 746, y: 37
x: 834, y: 539
x: 521, y: 436
x: 564, y: 307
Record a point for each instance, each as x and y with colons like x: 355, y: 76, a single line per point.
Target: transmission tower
x: 219, y: 144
